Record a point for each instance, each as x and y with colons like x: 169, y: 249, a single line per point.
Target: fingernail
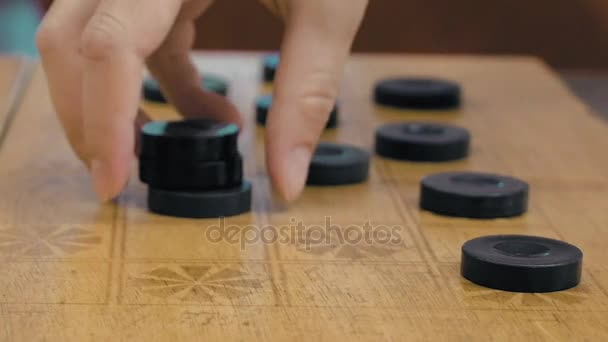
x: 297, y: 164
x: 99, y: 181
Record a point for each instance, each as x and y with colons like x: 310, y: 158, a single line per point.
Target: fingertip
x: 233, y: 115
x: 197, y: 103
x: 111, y: 154
x: 289, y: 172
x: 108, y: 180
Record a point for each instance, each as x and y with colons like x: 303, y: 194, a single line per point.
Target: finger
x: 180, y: 80
x: 117, y: 39
x: 58, y: 41
x: 316, y: 45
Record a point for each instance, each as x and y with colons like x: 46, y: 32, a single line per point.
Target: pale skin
x: 94, y: 53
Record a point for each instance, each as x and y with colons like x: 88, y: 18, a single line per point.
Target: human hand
x: 94, y: 53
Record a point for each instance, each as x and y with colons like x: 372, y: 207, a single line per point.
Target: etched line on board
x: 46, y: 240
x: 198, y: 283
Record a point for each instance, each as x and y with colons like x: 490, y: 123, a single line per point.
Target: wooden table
x: 72, y: 269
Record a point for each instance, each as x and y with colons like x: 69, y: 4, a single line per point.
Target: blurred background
x: 570, y: 35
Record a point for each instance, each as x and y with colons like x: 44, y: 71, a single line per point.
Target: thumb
x: 316, y: 44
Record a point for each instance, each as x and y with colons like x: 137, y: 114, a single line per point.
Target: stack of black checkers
x: 420, y: 141
x: 418, y: 93
x: 338, y: 164
x: 209, y: 82
x: 264, y: 103
x: 193, y: 169
x: 271, y: 63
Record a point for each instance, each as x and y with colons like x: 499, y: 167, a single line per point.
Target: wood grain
x: 72, y: 269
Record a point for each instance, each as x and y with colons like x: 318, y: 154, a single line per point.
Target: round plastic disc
x: 337, y: 164
x: 265, y: 101
x: 192, y: 175
x: 271, y: 63
x: 213, y: 83
x: 193, y: 140
x: 418, y: 93
x: 474, y: 195
x: 207, y: 204
x: 418, y: 141
x: 521, y: 263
